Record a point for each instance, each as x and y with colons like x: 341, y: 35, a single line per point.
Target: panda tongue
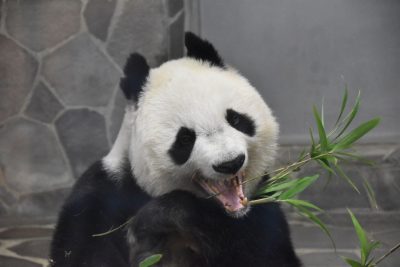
x: 230, y: 194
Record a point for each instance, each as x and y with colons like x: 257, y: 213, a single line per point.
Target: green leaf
x: 282, y: 175
x: 343, y: 106
x: 273, y: 196
x: 356, y: 134
x: 353, y: 263
x: 151, y: 260
x: 312, y: 136
x: 325, y: 164
x: 355, y: 157
x: 347, y: 178
x: 300, y: 185
x: 366, y: 246
x: 312, y: 217
x: 370, y: 194
x: 369, y: 248
x: 373, y: 245
x: 321, y: 130
x: 276, y: 187
x: 302, y: 203
x: 350, y: 117
x: 322, y: 113
x: 332, y: 159
x: 302, y: 155
x: 370, y: 262
x: 362, y: 237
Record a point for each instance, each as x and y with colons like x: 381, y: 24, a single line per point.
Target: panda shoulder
x: 90, y: 184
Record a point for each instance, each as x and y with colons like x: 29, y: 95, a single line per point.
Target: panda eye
x: 186, y: 139
x: 240, y: 122
x: 182, y: 147
x: 235, y: 120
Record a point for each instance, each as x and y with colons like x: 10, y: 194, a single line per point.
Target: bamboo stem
x: 113, y: 229
x: 393, y: 249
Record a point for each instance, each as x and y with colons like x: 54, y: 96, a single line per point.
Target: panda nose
x: 230, y: 167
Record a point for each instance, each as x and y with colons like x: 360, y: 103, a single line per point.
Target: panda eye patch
x: 183, y: 145
x: 240, y: 122
x: 186, y: 138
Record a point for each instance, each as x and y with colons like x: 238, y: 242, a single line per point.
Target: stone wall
x: 60, y: 107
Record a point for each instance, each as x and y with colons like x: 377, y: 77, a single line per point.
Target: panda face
x: 204, y: 129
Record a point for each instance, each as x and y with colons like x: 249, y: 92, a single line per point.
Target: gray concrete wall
x: 298, y: 52
x: 60, y: 105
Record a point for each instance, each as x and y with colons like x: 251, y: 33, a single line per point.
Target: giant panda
x: 195, y: 142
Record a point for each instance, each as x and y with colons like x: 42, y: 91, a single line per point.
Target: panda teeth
x: 237, y: 180
x: 212, y: 187
x: 233, y: 181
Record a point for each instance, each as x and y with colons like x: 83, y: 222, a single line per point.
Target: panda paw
x: 166, y: 225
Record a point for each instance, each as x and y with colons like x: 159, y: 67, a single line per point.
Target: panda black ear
x: 136, y: 71
x: 201, y: 49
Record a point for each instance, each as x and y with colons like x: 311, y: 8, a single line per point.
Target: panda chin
x: 229, y: 192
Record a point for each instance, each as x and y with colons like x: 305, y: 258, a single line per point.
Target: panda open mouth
x: 228, y: 191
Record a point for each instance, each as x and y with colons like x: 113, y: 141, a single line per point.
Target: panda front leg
x: 190, y: 231
x: 168, y: 225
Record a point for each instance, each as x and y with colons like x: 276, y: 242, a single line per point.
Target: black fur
x: 96, y: 204
x: 183, y: 145
x: 136, y: 71
x: 241, y: 122
x: 191, y: 231
x: 201, y: 49
x: 187, y: 230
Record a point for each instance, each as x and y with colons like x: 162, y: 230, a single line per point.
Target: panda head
x: 199, y: 126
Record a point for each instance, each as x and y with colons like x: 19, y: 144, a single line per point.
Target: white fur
x: 119, y: 152
x: 190, y: 93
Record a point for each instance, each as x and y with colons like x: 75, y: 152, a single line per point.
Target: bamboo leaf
x: 353, y: 263
x: 266, y: 195
x: 350, y: 117
x: 302, y: 155
x: 373, y: 245
x: 312, y: 136
x: 362, y: 237
x: 322, y: 113
x: 302, y: 203
x: 356, y: 134
x: 370, y: 194
x: 370, y: 263
x: 368, y: 249
x: 277, y: 187
x: 312, y: 217
x: 347, y: 178
x: 151, y: 260
x: 325, y: 165
x: 355, y: 157
x: 332, y: 159
x: 343, y: 106
x: 321, y: 130
x: 312, y: 151
x: 300, y: 185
